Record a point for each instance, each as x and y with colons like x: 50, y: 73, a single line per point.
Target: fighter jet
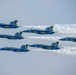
x: 12, y: 24
x: 18, y: 35
x: 48, y: 30
x: 68, y: 39
x: 22, y: 49
x: 53, y: 46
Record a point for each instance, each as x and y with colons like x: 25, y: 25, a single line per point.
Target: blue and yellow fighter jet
x: 12, y: 24
x: 18, y: 35
x: 54, y: 46
x: 48, y: 30
x: 22, y: 49
x: 68, y: 39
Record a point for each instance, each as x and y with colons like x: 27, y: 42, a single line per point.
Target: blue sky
x: 36, y: 12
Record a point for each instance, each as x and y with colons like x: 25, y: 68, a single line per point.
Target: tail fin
x: 55, y: 44
x: 24, y: 46
x: 49, y: 28
x: 18, y: 33
x: 13, y: 22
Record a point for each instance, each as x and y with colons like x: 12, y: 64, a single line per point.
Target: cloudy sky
x: 35, y: 12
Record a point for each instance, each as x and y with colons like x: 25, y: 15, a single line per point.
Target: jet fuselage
x: 8, y: 26
x: 14, y: 49
x: 39, y: 31
x: 11, y: 37
x: 44, y: 46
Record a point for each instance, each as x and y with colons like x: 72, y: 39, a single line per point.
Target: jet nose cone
x: 62, y: 39
x: 32, y: 45
x: 2, y: 48
x: 26, y: 31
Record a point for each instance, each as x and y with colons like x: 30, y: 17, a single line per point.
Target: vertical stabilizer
x: 18, y: 33
x: 13, y: 22
x: 24, y: 46
x: 55, y: 44
x: 49, y: 28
